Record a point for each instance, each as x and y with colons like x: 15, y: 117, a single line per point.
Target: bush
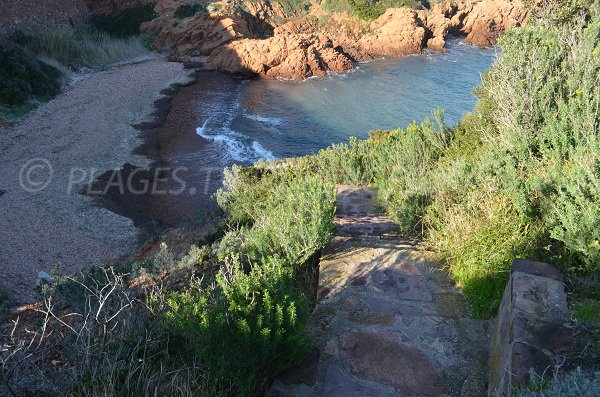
x: 189, y: 10
x: 127, y: 23
x: 24, y: 77
x: 368, y: 9
x: 249, y: 324
x: 547, y: 128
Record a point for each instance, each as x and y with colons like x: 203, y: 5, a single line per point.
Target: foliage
x: 294, y: 7
x: 367, y: 9
x: 520, y: 178
x: 82, y: 47
x: 24, y: 77
x: 189, y: 10
x: 248, y: 324
x: 127, y: 22
x: 577, y: 383
x: 246, y: 327
x: 547, y: 118
x: 587, y: 312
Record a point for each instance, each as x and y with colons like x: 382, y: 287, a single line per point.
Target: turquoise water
x: 242, y: 121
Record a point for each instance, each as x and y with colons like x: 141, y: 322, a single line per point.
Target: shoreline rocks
x: 258, y: 39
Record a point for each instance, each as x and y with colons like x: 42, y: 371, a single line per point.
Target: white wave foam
x: 271, y: 121
x: 234, y: 147
x: 201, y: 130
x: 262, y: 152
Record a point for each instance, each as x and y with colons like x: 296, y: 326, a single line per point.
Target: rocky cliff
x: 31, y: 16
x: 258, y: 38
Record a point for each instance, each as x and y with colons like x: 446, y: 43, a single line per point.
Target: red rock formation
x: 261, y: 40
x: 397, y: 32
x: 485, y: 21
x: 291, y: 56
x: 200, y: 34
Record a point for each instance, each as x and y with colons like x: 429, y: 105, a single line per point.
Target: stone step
x: 388, y: 321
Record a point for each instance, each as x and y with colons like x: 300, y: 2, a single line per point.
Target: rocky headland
x: 259, y: 38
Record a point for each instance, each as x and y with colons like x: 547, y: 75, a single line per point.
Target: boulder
x: 285, y: 56
x: 397, y: 32
x: 202, y: 33
x: 485, y: 21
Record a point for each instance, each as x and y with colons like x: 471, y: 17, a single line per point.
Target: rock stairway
x: 387, y: 322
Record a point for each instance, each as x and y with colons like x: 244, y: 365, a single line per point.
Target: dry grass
x: 113, y: 345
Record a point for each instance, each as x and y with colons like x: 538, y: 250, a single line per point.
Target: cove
x: 220, y: 120
x: 242, y: 121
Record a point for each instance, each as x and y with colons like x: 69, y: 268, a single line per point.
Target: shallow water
x: 242, y: 121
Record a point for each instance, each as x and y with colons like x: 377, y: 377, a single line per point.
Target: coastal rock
x: 204, y: 32
x: 485, y: 21
x: 482, y: 22
x: 396, y: 32
x: 285, y: 56
x: 258, y: 38
x: 266, y: 10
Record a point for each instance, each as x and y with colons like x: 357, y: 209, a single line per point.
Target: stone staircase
x: 388, y: 321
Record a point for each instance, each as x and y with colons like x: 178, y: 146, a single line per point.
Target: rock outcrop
x: 485, y: 21
x: 397, y: 32
x: 258, y: 37
x: 201, y: 34
x: 481, y: 22
x: 290, y: 56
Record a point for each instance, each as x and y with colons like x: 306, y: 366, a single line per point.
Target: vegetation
x: 81, y: 47
x: 367, y: 9
x: 125, y: 24
x: 576, y: 383
x: 189, y: 10
x: 220, y: 320
x: 261, y: 298
x: 23, y: 77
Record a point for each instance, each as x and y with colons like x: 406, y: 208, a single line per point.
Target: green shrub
x: 248, y: 326
x: 127, y: 22
x: 189, y: 10
x: 24, y: 77
x: 294, y: 223
x: 367, y: 9
x: 294, y: 7
x: 587, y: 311
x: 547, y: 128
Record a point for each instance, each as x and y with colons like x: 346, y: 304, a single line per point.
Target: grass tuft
x: 83, y: 47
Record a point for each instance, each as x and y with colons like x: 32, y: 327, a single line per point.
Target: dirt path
x: 75, y: 137
x: 388, y: 322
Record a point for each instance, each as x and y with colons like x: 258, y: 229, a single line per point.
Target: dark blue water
x: 243, y: 121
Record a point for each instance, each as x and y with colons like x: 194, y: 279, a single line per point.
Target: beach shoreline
x: 66, y: 143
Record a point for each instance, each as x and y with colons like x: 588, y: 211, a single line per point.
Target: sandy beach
x: 49, y: 155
